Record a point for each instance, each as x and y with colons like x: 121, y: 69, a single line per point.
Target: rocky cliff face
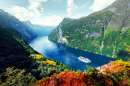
x: 93, y: 34
x: 121, y: 15
x: 104, y: 32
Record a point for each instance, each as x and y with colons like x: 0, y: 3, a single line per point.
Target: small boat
x: 84, y: 59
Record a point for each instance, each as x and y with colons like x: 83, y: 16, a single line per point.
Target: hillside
x: 105, y: 32
x: 15, y: 53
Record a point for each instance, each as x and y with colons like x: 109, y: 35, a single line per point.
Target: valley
x: 65, y: 43
x: 67, y: 55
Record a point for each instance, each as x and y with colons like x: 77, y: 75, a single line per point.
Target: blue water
x: 67, y: 55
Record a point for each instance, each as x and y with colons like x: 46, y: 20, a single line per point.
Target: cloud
x: 71, y: 7
x: 33, y: 13
x: 49, y: 20
x: 34, y: 10
x: 57, y: 0
x: 22, y: 13
x: 100, y: 4
x: 36, y: 6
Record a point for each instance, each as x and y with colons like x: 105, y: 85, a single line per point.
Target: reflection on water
x: 67, y: 55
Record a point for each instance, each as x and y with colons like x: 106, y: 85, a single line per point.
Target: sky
x: 52, y: 12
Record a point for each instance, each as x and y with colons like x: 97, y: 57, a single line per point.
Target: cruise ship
x: 84, y: 59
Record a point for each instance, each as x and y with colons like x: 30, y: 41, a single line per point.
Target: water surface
x: 67, y: 55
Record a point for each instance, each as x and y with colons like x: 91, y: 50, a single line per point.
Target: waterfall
x: 60, y: 34
x: 101, y: 47
x: 62, y: 40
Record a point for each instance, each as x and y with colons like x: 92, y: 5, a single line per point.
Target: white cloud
x: 33, y: 13
x: 100, y: 4
x: 49, y: 20
x: 57, y: 0
x: 36, y: 6
x: 71, y: 7
x: 22, y: 13
x: 34, y: 10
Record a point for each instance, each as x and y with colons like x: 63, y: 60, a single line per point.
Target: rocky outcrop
x: 93, y: 34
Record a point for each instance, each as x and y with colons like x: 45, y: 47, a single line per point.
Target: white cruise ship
x: 84, y: 59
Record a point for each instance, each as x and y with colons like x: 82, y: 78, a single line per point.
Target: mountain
x: 40, y: 30
x: 8, y: 20
x: 26, y: 29
x: 105, y: 32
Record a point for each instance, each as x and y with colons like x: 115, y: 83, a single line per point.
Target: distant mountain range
x: 40, y: 30
x: 105, y: 32
x: 27, y: 30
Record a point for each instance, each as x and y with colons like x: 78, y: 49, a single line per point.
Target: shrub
x: 16, y: 77
x: 42, y: 59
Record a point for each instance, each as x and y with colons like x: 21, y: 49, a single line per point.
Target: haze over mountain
x: 105, y: 32
x: 11, y: 21
x: 27, y: 30
x: 40, y: 30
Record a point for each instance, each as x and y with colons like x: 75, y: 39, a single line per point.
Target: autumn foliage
x: 15, y: 77
x: 117, y: 66
x: 116, y: 73
x: 73, y: 79
x: 40, y: 58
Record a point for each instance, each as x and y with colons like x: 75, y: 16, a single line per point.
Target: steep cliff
x: 105, y: 32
